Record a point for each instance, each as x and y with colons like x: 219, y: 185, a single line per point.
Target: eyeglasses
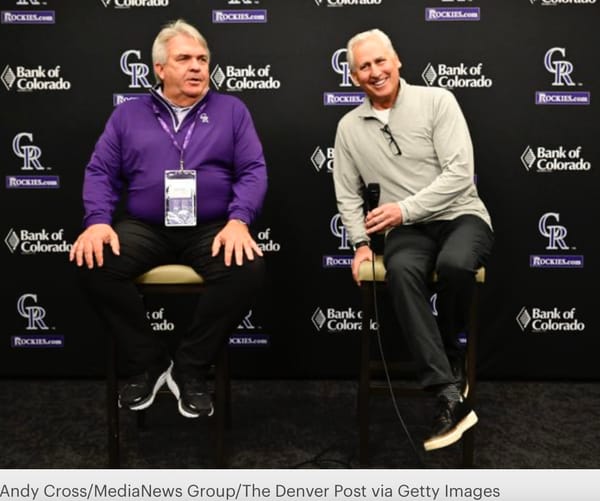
x: 391, y: 141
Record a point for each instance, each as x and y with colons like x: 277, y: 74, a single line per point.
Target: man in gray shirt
x: 414, y: 143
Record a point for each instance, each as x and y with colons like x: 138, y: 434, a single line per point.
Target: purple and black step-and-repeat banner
x: 524, y: 71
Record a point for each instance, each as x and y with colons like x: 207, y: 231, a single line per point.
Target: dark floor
x: 289, y: 424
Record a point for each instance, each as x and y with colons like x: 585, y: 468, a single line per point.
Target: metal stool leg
x: 364, y: 378
x: 112, y: 408
x: 222, y: 415
x: 468, y: 455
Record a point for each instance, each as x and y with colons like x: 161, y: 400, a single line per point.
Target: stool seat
x: 170, y: 274
x: 365, y: 272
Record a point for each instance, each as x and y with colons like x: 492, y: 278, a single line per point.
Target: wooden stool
x: 169, y: 279
x: 369, y: 384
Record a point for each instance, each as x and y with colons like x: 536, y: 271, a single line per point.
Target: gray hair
x: 169, y: 31
x: 363, y: 36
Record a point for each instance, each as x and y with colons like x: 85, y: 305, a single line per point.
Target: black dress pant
x: 455, y: 249
x: 228, y: 296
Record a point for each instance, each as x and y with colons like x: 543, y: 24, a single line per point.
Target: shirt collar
x: 365, y: 110
x: 176, y: 108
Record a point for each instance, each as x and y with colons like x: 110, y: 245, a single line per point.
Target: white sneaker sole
x: 465, y: 392
x: 452, y: 436
x: 175, y: 391
x: 157, y: 386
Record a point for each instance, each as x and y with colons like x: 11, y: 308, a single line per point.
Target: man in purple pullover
x: 190, y: 166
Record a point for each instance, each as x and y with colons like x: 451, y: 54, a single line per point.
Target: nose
x: 196, y: 65
x: 375, y: 72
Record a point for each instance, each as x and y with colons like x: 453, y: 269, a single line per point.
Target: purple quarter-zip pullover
x: 134, y: 151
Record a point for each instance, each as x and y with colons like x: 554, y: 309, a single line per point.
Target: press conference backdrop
x: 524, y: 71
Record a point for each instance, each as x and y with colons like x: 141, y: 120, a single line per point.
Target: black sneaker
x: 139, y: 392
x: 459, y: 370
x: 451, y: 421
x: 192, y: 395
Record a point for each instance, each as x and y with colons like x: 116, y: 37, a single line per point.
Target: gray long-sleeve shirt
x: 431, y: 180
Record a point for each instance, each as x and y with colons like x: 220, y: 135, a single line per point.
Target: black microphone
x: 372, y: 193
x: 372, y: 196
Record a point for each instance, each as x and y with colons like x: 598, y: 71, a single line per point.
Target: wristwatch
x: 362, y: 243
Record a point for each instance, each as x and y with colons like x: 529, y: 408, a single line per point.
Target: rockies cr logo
x: 561, y: 68
x: 34, y: 314
x: 555, y: 233
x: 137, y: 71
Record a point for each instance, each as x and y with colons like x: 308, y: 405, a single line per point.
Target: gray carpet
x: 298, y: 424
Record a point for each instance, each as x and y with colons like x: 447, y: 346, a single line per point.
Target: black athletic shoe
x: 452, y: 419
x: 459, y: 369
x: 139, y: 392
x: 192, y: 395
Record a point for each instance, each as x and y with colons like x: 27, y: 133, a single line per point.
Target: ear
x: 398, y: 60
x: 354, y: 79
x: 158, y: 69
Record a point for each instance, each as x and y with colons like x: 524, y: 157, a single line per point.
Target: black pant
x: 455, y: 250
x: 227, y: 298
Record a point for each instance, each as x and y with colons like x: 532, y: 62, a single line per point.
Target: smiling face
x: 185, y: 74
x: 377, y: 72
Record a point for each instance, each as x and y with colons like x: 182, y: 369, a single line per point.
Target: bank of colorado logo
x: 28, y: 242
x: 554, y: 3
x: 557, y: 64
x: 456, y: 76
x: 335, y: 320
x: 541, y: 321
x: 31, y: 79
x: 23, y: 147
x: 129, y: 4
x: 35, y: 325
x: 556, y: 235
x: 265, y: 241
x: 347, y: 3
x: 159, y: 321
x: 243, y: 78
x: 543, y: 159
x: 322, y: 159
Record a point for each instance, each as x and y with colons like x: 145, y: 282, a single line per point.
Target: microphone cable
x: 385, y: 366
x: 323, y: 462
